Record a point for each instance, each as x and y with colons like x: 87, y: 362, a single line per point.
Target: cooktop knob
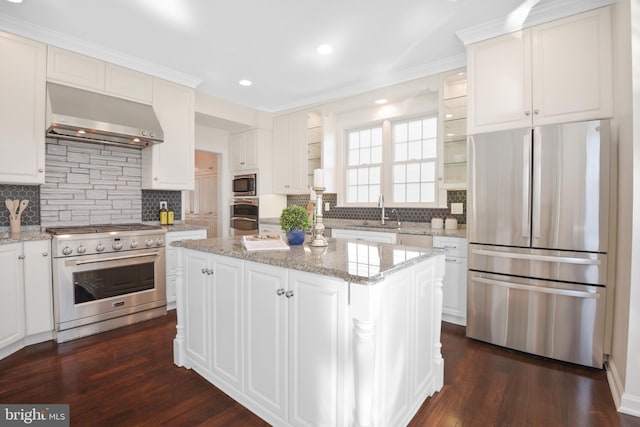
x: 117, y: 246
x: 133, y: 244
x: 100, y: 247
x: 149, y: 242
x: 67, y: 250
x: 81, y: 249
x: 160, y: 241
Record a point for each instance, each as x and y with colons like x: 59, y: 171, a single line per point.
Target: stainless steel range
x: 106, y: 276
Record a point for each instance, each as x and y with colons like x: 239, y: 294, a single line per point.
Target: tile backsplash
x: 151, y: 203
x: 31, y: 214
x: 373, y: 214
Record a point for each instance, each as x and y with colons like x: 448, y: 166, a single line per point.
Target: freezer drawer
x: 557, y: 320
x: 565, y: 266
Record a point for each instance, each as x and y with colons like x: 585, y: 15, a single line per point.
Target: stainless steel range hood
x: 93, y: 117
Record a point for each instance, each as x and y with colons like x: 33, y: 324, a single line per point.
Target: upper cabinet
x: 22, y: 109
x: 244, y: 151
x: 557, y: 72
x: 92, y: 74
x: 454, y: 135
x: 297, y: 146
x: 170, y: 164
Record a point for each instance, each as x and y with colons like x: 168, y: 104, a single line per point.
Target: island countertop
x: 358, y: 262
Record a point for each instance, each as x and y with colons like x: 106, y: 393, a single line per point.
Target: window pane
x: 413, y: 172
x: 365, y: 156
x: 399, y: 174
x: 363, y: 176
x: 430, y: 128
x: 374, y: 175
x: 414, y: 150
x: 428, y: 193
x: 399, y: 193
x: 352, y: 194
x: 415, y: 131
x: 429, y: 148
x: 376, y: 137
x: 428, y: 172
x: 354, y: 157
x: 354, y: 140
x: 352, y: 177
x: 363, y: 193
x: 374, y: 192
x: 400, y: 152
x: 365, y: 138
x: 413, y: 192
x: 376, y: 154
x: 400, y: 132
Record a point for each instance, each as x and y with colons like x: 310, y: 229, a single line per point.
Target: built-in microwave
x: 244, y: 185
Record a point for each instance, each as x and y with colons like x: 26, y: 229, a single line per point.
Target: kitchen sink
x: 392, y: 226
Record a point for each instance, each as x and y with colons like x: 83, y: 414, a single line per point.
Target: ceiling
x: 212, y: 44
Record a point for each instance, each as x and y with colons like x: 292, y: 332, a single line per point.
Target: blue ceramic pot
x: 296, y: 237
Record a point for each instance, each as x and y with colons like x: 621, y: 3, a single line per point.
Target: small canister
x: 436, y: 223
x: 451, y: 224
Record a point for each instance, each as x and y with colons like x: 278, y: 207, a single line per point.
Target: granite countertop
x: 419, y: 228
x: 25, y: 234
x: 357, y: 262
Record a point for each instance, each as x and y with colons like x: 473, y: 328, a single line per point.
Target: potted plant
x: 295, y: 221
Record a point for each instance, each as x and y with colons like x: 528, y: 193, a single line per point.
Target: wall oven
x: 106, y: 279
x: 245, y: 185
x: 244, y: 217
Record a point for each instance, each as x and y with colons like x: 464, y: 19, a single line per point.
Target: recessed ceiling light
x: 324, y: 49
x: 380, y: 101
x: 448, y: 116
x: 81, y: 132
x: 15, y: 1
x: 245, y: 83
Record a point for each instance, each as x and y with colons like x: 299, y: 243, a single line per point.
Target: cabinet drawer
x: 455, y: 246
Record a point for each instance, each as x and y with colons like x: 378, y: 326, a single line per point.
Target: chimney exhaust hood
x: 81, y: 115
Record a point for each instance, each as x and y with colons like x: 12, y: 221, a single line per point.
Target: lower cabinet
x: 170, y: 257
x: 261, y: 332
x: 26, y: 305
x: 454, y: 286
x: 369, y: 236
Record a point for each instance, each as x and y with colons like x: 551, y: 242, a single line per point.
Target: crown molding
x: 541, y: 14
x: 54, y: 38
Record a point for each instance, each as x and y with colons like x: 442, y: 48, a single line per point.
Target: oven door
x: 244, y: 217
x: 98, y: 287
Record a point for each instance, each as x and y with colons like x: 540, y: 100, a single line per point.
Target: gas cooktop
x: 100, y: 228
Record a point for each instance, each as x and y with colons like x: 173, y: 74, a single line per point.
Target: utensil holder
x: 14, y: 225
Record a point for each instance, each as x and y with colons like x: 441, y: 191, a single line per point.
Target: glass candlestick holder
x: 317, y: 236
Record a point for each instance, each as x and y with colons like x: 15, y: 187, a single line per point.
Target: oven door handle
x: 118, y: 258
x: 244, y: 218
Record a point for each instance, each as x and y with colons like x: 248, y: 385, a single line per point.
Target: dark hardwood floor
x: 126, y: 377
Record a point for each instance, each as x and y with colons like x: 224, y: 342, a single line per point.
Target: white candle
x: 318, y: 178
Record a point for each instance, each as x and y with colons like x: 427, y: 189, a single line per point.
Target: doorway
x: 201, y: 208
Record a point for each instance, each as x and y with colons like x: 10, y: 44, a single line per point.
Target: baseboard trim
x: 625, y: 403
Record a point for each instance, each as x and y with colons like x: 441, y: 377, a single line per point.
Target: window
x: 414, y: 160
x: 411, y: 168
x: 364, y: 164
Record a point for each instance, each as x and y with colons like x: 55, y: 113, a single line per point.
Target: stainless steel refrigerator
x: 538, y: 223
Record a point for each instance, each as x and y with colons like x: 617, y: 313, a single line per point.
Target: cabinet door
x: 170, y: 165
x: 170, y: 260
x: 573, y: 69
x: 12, y: 324
x: 266, y: 337
x: 125, y: 83
x: 37, y: 286
x: 236, y: 152
x: 197, y: 277
x: 454, y: 291
x: 499, y: 83
x: 316, y: 339
x: 22, y: 110
x: 74, y: 69
x: 244, y: 151
x: 290, y: 160
x: 225, y: 307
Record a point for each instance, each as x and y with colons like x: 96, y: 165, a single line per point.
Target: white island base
x: 307, y: 349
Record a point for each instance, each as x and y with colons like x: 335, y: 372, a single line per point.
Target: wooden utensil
x: 23, y: 205
x: 9, y: 204
x: 16, y: 205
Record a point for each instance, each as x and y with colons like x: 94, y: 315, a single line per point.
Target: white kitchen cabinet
x: 170, y: 165
x: 418, y: 240
x: 22, y: 110
x: 170, y: 259
x: 291, y: 154
x: 244, y: 151
x: 557, y: 72
x: 12, y: 318
x: 37, y: 287
x: 295, y: 322
x: 26, y: 306
x: 74, y: 69
x: 370, y: 236
x: 454, y: 286
x: 453, y: 161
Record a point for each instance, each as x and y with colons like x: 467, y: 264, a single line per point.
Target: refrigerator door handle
x: 526, y: 176
x: 555, y: 291
x: 537, y: 182
x: 533, y: 257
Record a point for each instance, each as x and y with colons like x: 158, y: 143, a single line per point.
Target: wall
x: 624, y: 361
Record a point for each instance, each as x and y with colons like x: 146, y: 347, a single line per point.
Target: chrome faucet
x: 381, y: 205
x: 395, y: 211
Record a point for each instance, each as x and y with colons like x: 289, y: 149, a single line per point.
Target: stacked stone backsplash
x: 88, y: 183
x: 31, y: 214
x: 373, y: 214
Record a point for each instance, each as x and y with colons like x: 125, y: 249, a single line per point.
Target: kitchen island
x: 343, y: 335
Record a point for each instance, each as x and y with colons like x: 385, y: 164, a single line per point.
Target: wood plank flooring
x: 126, y: 377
